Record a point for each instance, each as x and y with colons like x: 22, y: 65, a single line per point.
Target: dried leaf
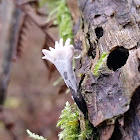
x: 62, y: 89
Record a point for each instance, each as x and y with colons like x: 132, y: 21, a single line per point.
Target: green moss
x: 60, y: 10
x: 64, y: 21
x: 69, y: 122
x: 99, y: 64
x: 86, y: 134
x: 35, y: 136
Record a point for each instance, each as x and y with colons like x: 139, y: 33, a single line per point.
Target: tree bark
x: 112, y: 96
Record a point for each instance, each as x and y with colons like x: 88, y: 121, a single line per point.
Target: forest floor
x: 32, y: 102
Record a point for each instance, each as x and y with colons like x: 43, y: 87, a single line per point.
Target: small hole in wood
x: 99, y: 32
x: 117, y: 58
x: 112, y: 15
x: 91, y: 51
x: 97, y: 16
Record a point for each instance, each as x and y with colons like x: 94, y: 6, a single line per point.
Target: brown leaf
x: 37, y: 17
x: 9, y: 125
x: 21, y: 2
x: 49, y: 42
x: 22, y: 36
x: 62, y: 89
x: 74, y: 10
x: 31, y: 18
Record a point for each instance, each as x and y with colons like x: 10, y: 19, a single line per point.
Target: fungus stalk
x: 62, y: 57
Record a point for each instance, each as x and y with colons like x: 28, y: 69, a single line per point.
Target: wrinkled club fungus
x: 62, y: 57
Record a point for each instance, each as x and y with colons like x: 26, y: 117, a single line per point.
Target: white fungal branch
x: 62, y: 58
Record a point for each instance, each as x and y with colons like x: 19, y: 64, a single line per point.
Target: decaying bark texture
x: 112, y: 96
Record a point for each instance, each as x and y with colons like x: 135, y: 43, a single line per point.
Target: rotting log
x: 113, y: 96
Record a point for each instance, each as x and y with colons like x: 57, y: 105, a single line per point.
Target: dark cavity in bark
x: 117, y: 58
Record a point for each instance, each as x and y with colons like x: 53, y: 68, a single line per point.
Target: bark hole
x: 91, y: 51
x: 99, y: 32
x: 96, y: 16
x: 117, y: 58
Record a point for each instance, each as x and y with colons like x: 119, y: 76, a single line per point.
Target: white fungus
x: 62, y: 57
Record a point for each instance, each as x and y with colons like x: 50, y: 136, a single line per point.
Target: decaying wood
x: 111, y: 26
